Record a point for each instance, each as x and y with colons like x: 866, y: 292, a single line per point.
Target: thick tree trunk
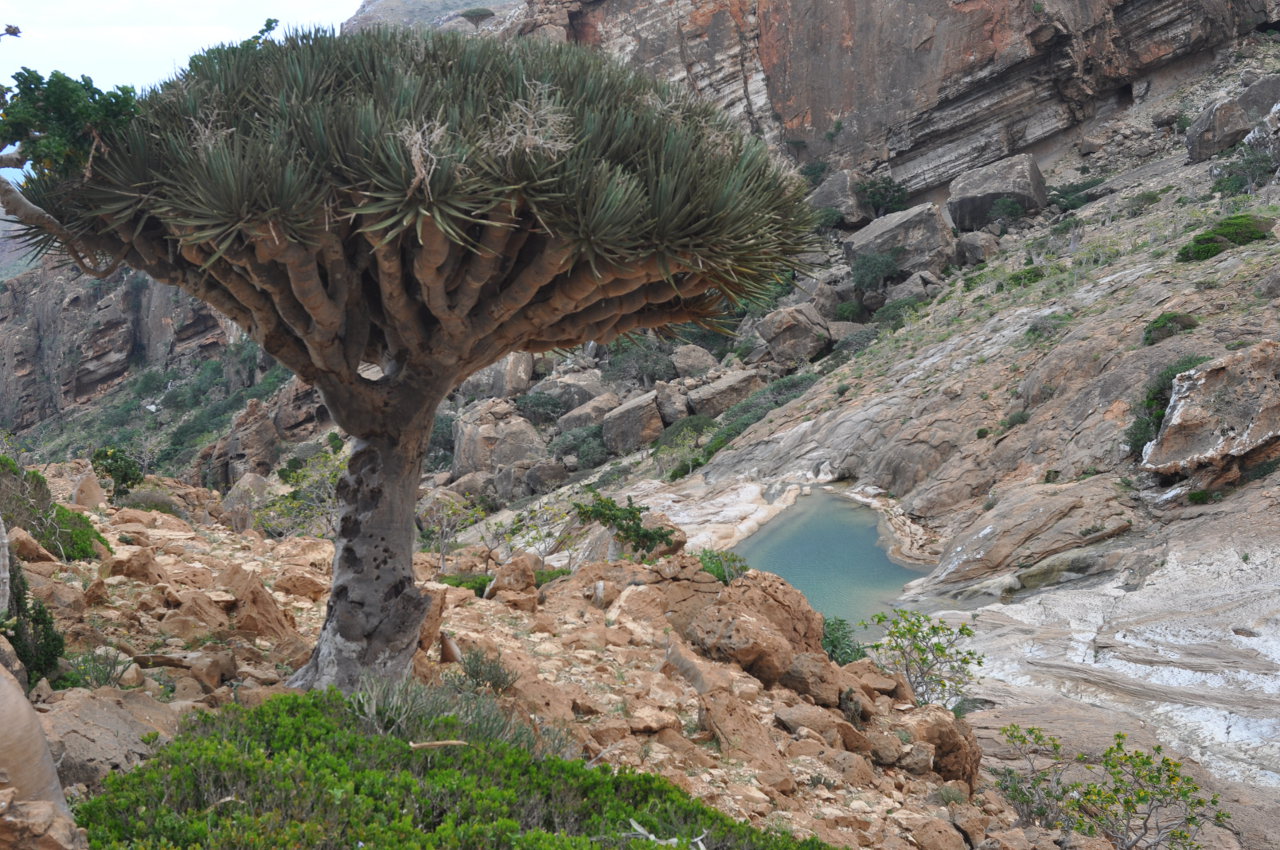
x: 375, y: 611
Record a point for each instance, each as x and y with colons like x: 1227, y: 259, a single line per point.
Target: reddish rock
x: 255, y: 608
x: 26, y: 547
x: 303, y: 582
x: 730, y: 634
x: 723, y: 393
x: 37, y: 825
x: 134, y: 562
x: 633, y: 425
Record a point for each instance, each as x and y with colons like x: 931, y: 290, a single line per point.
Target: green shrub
x: 70, y: 535
x: 541, y: 577
x: 859, y: 340
x: 828, y: 217
x: 838, y: 641
x: 1006, y: 209
x: 300, y: 771
x: 1072, y: 196
x: 1200, y: 497
x: 1166, y: 325
x: 334, y: 440
x: 151, y: 499
x: 540, y: 408
x: 1245, y: 171
x: 850, y: 311
x: 440, y: 445
x: 725, y: 566
x: 487, y: 672
x: 1139, y: 203
x: 896, y: 313
x: 640, y: 360
x: 473, y: 582
x: 755, y: 407
x: 870, y: 271
x: 883, y: 194
x: 627, y: 523
x: 1013, y: 420
x: 928, y: 653
x: 1261, y: 470
x: 1143, y: 801
x: 28, y: 626
x: 93, y: 670
x: 585, y: 443
x: 983, y: 433
x: 814, y: 171
x: 1154, y: 403
x: 1232, y: 230
x: 1024, y: 277
x: 673, y: 433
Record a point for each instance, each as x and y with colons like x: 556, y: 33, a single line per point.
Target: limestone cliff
x: 929, y: 88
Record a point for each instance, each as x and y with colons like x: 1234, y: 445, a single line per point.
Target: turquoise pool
x: 827, y: 547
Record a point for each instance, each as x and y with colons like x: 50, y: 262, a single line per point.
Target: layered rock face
x: 65, y: 339
x: 928, y: 87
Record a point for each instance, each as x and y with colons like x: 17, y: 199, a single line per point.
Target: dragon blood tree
x: 389, y: 211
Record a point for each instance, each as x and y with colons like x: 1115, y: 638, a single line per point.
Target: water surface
x: 827, y: 547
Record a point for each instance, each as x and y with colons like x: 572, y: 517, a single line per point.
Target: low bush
x: 850, y: 311
x: 896, y: 313
x: 540, y: 408
x: 124, y: 472
x: 1154, y: 402
x: 1245, y: 170
x: 627, y: 523
x: 94, y: 669
x: 302, y: 771
x: 1232, y: 230
x: 152, y: 499
x: 70, y: 535
x: 1143, y: 801
x: 725, y: 566
x: 929, y: 653
x: 870, y: 271
x: 755, y: 407
x: 1013, y: 420
x: 471, y: 581
x: 483, y: 671
x: 1166, y: 325
x: 859, y: 340
x: 838, y: 641
x: 1072, y: 196
x: 1023, y: 277
x: 585, y: 443
x: 639, y: 359
x: 1006, y: 209
x: 29, y: 627
x: 883, y: 194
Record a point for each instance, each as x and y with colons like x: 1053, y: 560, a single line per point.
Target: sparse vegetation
x: 839, y: 642
x: 1154, y: 402
x: 1230, y: 231
x: 29, y: 627
x: 1072, y: 196
x: 725, y: 566
x: 1166, y: 325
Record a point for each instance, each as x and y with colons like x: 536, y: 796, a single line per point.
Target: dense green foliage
x: 585, y: 443
x: 627, y: 523
x: 640, y: 359
x: 540, y: 408
x: 883, y: 194
x: 1245, y: 169
x: 1143, y: 801
x: 57, y: 122
x: 303, y: 771
x: 1232, y: 230
x: 725, y: 566
x: 895, y: 314
x: 70, y: 535
x: 839, y: 642
x: 1154, y: 402
x: 125, y: 472
x: 29, y: 627
x: 870, y: 271
x: 1166, y: 325
x: 1005, y: 209
x: 472, y: 581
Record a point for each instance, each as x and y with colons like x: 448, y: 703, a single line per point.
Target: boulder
x: 255, y: 609
x: 1219, y: 414
x: 814, y: 674
x: 723, y: 393
x: 973, y: 193
x: 37, y: 825
x: 87, y: 492
x: 727, y: 633
x: 27, y: 548
x: 510, y: 376
x: 590, y: 412
x: 93, y: 733
x: 573, y: 389
x: 920, y: 236
x: 673, y: 404
x: 773, y: 599
x: 633, y: 425
x: 919, y: 285
x: 134, y: 562
x: 491, y: 436
x: 1220, y: 126
x: 977, y: 247
x: 692, y: 361
x: 26, y: 765
x: 837, y: 192
x: 794, y: 334
x: 956, y: 753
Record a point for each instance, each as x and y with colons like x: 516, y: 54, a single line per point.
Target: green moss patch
x: 1233, y: 230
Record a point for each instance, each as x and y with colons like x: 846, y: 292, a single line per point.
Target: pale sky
x: 141, y: 42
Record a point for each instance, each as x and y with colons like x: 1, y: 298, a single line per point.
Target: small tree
x: 627, y: 523
x: 444, y: 516
x: 125, y: 472
x: 386, y: 212
x: 476, y: 16
x: 928, y: 652
x: 883, y: 194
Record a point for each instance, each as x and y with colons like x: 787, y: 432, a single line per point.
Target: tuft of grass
x: 1166, y: 325
x: 1154, y: 403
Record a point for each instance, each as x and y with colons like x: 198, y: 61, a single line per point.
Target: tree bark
x: 375, y: 610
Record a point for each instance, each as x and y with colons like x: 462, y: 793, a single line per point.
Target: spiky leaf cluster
x: 433, y: 200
